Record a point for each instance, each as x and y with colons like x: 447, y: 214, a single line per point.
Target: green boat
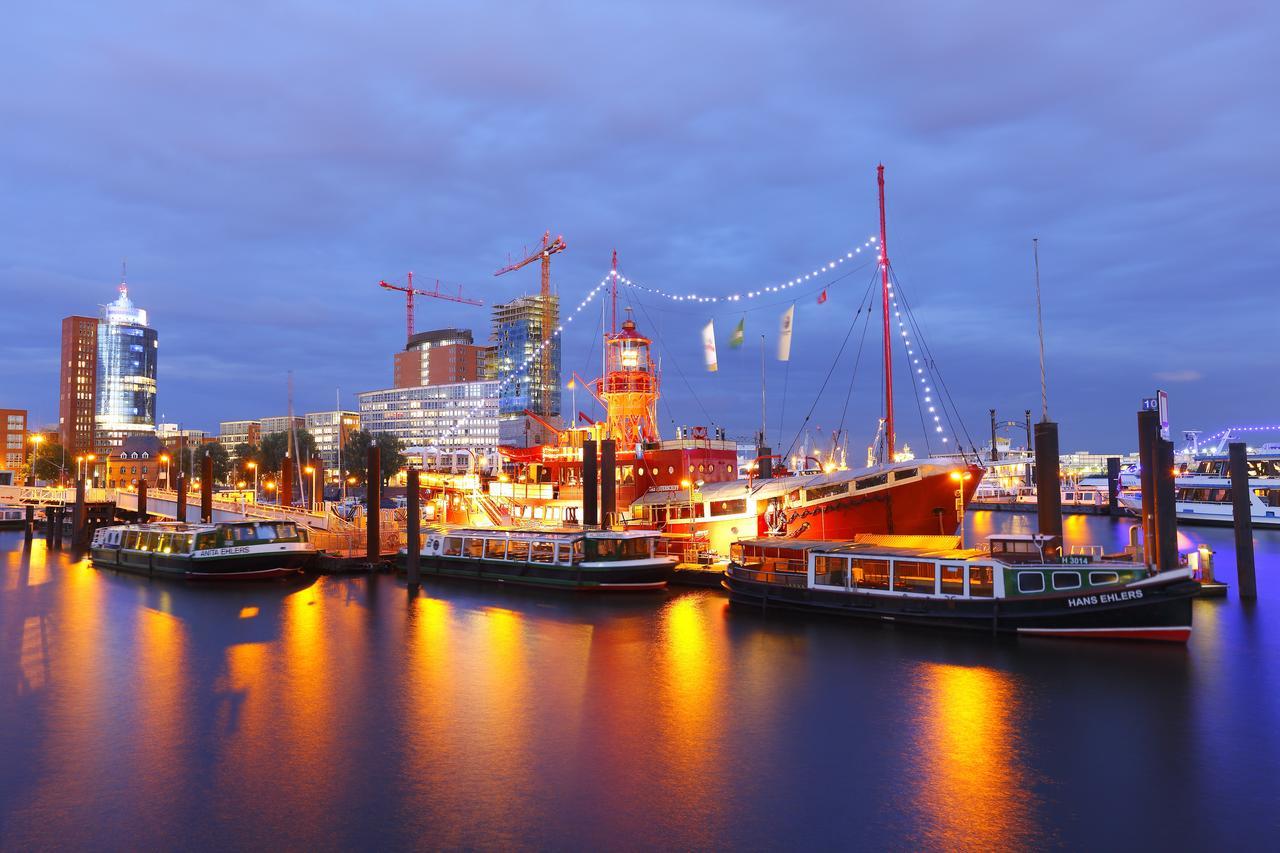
x: 242, y: 550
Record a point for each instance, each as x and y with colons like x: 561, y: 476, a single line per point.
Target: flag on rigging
x: 822, y: 297
x: 709, y: 345
x: 571, y: 384
x: 784, y: 334
x: 739, y: 334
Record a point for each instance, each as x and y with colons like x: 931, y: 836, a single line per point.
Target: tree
x: 272, y: 449
x: 47, y: 457
x: 221, y: 460
x: 356, y: 451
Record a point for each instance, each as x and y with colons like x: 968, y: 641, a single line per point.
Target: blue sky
x: 261, y: 170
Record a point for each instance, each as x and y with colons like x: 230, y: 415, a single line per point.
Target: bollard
x: 206, y: 488
x: 1166, y: 513
x: 590, y: 480
x: 1048, y: 487
x: 608, y: 483
x: 373, y: 501
x: 1113, y: 485
x: 1246, y: 575
x: 413, y: 549
x: 1148, y: 432
x: 180, y: 513
x: 286, y: 482
x: 142, y: 500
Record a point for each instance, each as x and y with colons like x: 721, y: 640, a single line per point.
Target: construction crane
x: 409, y: 292
x: 549, y: 247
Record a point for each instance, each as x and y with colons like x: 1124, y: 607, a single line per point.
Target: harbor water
x: 341, y: 712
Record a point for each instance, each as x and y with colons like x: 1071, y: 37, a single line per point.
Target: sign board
x: 1159, y: 404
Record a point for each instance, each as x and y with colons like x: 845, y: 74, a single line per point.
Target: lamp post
x: 164, y: 460
x: 269, y: 486
x: 37, y: 439
x: 959, y: 478
x: 311, y: 498
x: 253, y: 466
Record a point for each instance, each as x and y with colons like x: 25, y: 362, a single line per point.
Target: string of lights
x: 870, y: 243
x: 917, y: 371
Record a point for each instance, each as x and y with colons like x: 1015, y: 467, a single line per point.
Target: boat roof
x: 192, y: 527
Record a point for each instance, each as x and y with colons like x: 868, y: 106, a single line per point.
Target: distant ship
x: 1203, y: 491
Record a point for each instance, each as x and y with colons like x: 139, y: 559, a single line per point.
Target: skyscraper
x: 534, y: 381
x: 78, y: 386
x: 127, y: 346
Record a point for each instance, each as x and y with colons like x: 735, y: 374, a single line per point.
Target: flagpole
x: 762, y: 398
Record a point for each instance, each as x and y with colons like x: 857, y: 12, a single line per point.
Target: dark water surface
x: 338, y: 713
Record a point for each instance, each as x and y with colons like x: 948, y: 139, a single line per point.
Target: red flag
x: 822, y: 297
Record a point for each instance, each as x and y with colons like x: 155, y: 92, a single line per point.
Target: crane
x: 409, y: 292
x: 549, y: 247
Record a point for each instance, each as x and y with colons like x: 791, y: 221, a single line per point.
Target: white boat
x: 1203, y: 492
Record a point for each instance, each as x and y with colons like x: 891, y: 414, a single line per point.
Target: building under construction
x: 533, y: 390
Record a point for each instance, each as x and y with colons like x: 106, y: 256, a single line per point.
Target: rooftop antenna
x: 124, y: 275
x: 1044, y: 392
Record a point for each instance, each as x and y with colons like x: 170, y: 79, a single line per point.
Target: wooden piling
x: 1238, y: 465
x: 1048, y: 486
x: 590, y: 481
x: 413, y: 543
x: 608, y: 483
x: 286, y: 482
x: 78, y: 520
x: 1113, y: 485
x: 29, y: 527
x: 142, y: 500
x: 1148, y: 432
x: 1166, y: 512
x: 373, y: 501
x: 180, y: 512
x: 206, y: 488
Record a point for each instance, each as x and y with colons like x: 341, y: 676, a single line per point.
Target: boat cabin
x: 561, y: 547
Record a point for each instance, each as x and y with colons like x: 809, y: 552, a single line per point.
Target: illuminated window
x: 981, y: 584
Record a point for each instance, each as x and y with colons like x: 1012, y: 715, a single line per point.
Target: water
x: 338, y: 713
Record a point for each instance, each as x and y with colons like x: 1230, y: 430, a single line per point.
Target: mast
x: 614, y: 324
x: 884, y: 302
x: 762, y: 405
x: 1044, y: 390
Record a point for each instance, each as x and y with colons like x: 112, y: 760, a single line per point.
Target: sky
x: 262, y: 166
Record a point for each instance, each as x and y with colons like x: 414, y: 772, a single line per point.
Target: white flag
x: 709, y: 345
x: 784, y: 334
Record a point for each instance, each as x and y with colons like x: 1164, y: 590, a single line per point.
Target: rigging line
x: 679, y: 371
x: 818, y: 396
x: 915, y: 387
x: 935, y: 370
x: 861, y: 341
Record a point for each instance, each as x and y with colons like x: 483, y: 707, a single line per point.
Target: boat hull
x: 1162, y: 613
x: 265, y: 566
x: 622, y: 578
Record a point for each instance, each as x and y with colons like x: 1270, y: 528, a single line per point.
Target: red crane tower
x: 409, y: 292
x: 548, y: 248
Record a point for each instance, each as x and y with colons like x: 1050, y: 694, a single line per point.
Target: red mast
x: 615, y: 292
x: 884, y: 301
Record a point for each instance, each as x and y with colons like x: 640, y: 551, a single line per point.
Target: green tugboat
x: 248, y: 550
x: 562, y: 558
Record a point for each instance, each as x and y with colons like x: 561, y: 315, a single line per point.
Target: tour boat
x: 1008, y: 588
x: 242, y: 550
x: 1203, y: 493
x: 565, y: 558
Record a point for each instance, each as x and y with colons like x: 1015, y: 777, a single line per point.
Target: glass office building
x: 126, y: 389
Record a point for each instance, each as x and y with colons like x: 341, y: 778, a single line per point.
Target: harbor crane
x: 544, y: 252
x: 410, y: 291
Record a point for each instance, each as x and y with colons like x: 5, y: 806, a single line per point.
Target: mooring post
x: 1166, y: 507
x: 413, y: 545
x: 180, y: 512
x: 29, y: 529
x: 1238, y: 463
x: 142, y: 500
x: 373, y: 502
x: 1113, y: 485
x: 1148, y: 432
x: 206, y: 488
x: 590, y: 480
x: 77, y: 517
x: 1048, y: 486
x: 286, y: 482
x: 608, y: 483
x: 995, y: 457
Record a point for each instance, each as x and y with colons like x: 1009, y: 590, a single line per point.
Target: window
x: 518, y: 549
x: 605, y: 549
x: 577, y: 550
x: 1030, y: 582
x: 869, y: 482
x: 831, y: 571
x: 952, y: 580
x: 1103, y: 578
x: 1066, y: 580
x: 870, y: 574
x: 474, y: 548
x: 495, y: 549
x: 905, y: 474
x: 728, y: 507
x: 543, y: 552
x: 913, y: 576
x: 453, y: 546
x: 981, y: 582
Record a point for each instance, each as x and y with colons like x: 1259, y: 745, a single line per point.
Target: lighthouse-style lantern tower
x: 630, y: 387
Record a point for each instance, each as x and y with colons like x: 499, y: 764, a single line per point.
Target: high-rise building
x: 532, y: 377
x: 439, y: 357
x: 13, y: 440
x: 331, y: 431
x: 232, y: 434
x: 280, y: 423
x: 463, y: 416
x: 126, y: 387
x: 78, y: 385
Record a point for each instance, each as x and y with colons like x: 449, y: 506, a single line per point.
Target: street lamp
x: 959, y: 478
x: 270, y: 486
x: 253, y: 466
x: 37, y: 439
x: 88, y: 466
x: 311, y: 501
x: 164, y: 459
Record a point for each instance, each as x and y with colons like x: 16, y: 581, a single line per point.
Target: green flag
x: 735, y: 340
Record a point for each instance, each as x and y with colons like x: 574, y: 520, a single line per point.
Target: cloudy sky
x: 261, y: 170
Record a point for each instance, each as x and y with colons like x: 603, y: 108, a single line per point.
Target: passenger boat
x: 564, y: 558
x: 12, y: 516
x: 1203, y: 492
x: 242, y: 550
x: 1007, y: 588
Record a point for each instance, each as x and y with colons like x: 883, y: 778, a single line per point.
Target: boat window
x: 913, y: 576
x: 1030, y: 582
x: 869, y: 482
x: 163, y: 543
x: 495, y: 549
x: 1103, y: 578
x: 577, y: 550
x: 1066, y: 580
x: 131, y: 539
x: 266, y: 532
x: 952, y: 580
x: 518, y: 549
x: 453, y: 546
x: 728, y: 507
x: 831, y: 571
x: 286, y: 531
x: 182, y: 544
x: 820, y: 492
x: 606, y: 549
x: 869, y: 574
x: 241, y: 533
x: 906, y: 474
x: 543, y: 552
x: 473, y: 547
x: 981, y: 582
x: 205, y: 541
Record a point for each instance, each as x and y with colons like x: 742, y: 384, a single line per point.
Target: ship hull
x: 264, y: 566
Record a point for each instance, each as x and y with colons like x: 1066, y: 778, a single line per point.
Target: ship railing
x: 352, y: 542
